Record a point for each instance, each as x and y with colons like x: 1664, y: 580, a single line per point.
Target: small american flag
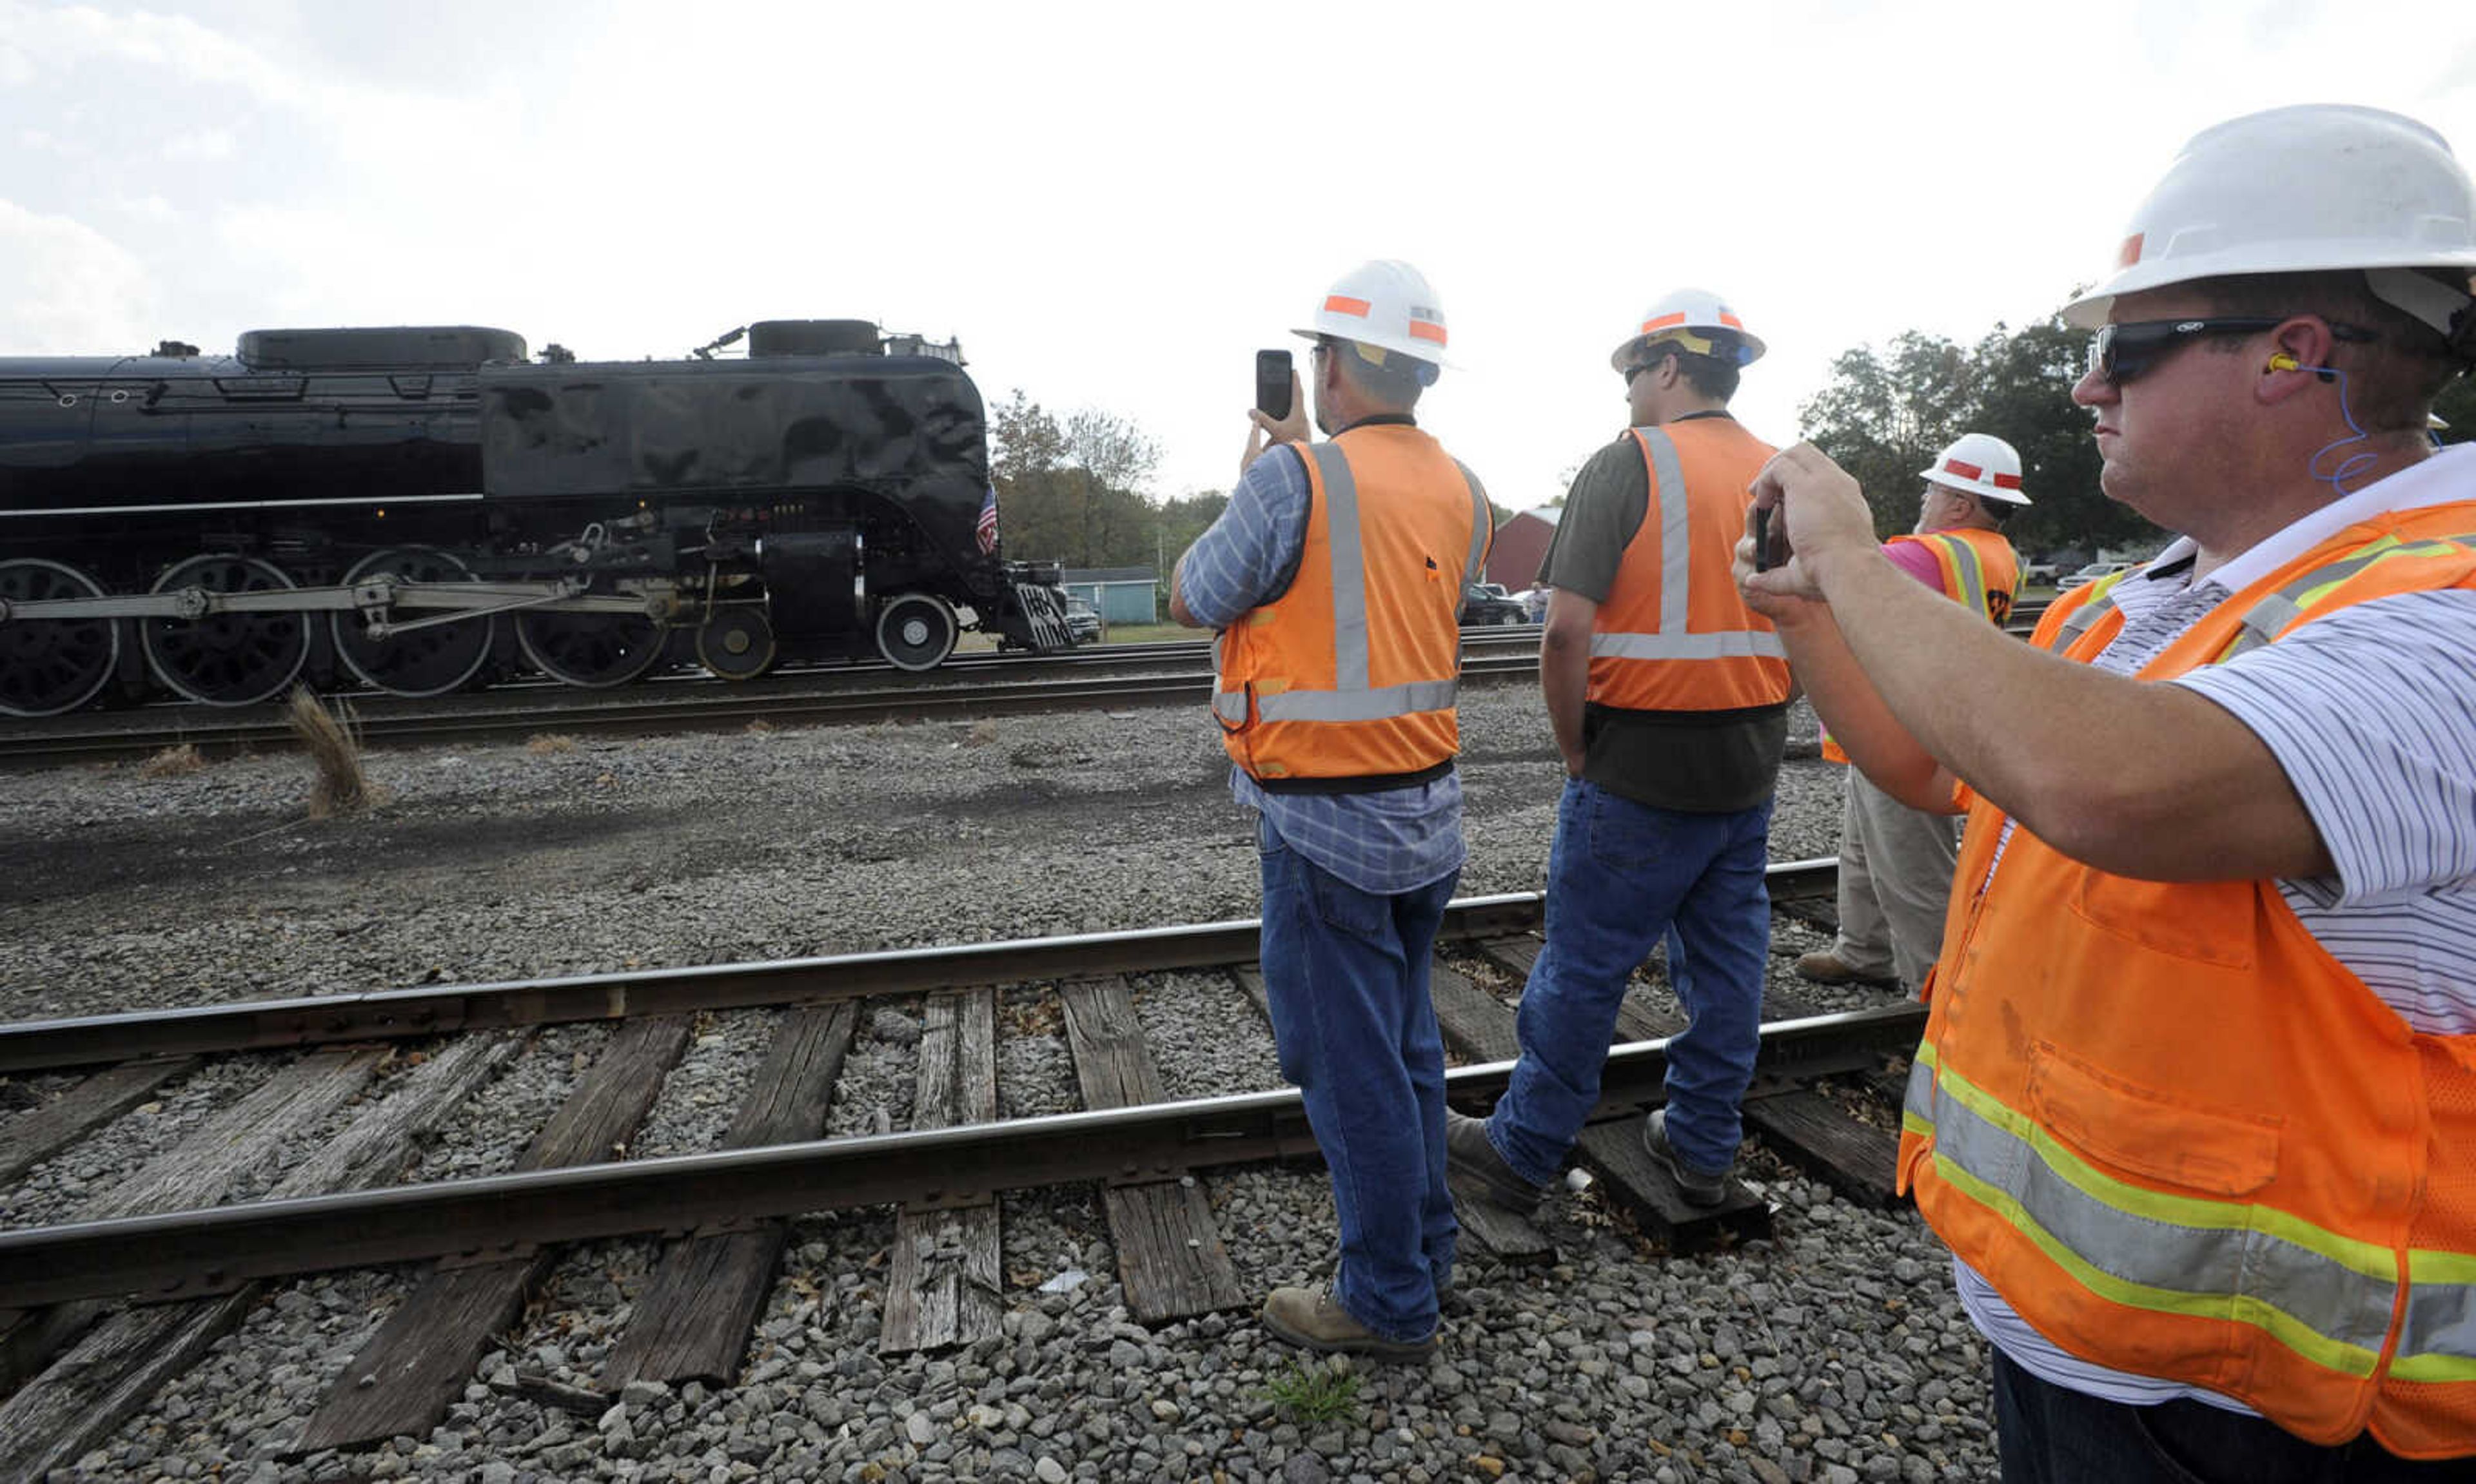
x: 987, y: 527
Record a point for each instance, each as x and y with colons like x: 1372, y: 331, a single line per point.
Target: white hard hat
x: 2311, y: 188
x: 1980, y: 464
x: 1386, y: 305
x: 1693, y: 317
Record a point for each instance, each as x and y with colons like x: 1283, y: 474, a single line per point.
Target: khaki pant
x: 1896, y: 867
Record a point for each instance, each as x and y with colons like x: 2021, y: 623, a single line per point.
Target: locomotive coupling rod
x: 184, y: 1254
x: 195, y: 603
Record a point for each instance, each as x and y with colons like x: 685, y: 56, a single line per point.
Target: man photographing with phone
x: 1335, y: 576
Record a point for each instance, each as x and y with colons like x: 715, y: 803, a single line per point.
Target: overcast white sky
x: 1115, y: 205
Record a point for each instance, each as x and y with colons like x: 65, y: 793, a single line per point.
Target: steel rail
x: 189, y: 1253
x: 428, y: 1010
x: 634, y: 713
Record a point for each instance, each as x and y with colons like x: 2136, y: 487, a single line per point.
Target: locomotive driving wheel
x: 916, y: 632
x: 736, y: 643
x: 50, y: 665
x: 592, y: 650
x: 426, y: 661
x: 226, y: 659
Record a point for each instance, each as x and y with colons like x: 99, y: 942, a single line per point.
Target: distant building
x: 1521, y: 544
x: 1120, y: 595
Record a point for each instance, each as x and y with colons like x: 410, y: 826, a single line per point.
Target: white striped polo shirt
x: 2372, y: 713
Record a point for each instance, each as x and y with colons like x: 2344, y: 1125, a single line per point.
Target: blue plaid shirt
x: 1392, y: 840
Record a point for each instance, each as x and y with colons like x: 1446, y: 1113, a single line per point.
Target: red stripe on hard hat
x: 1967, y: 471
x: 1343, y: 304
x: 2007, y: 482
x: 2130, y: 252
x: 1426, y: 329
x: 1662, y: 322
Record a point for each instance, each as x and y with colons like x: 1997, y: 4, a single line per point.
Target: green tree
x: 2457, y: 407
x: 1885, y: 417
x: 1072, y: 492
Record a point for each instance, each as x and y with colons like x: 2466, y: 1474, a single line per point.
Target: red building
x: 1519, y: 544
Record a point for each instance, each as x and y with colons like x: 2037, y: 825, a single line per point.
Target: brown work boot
x: 1310, y: 1317
x: 1468, y: 1154
x: 1825, y: 966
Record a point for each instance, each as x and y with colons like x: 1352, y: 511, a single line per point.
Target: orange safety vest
x: 1345, y: 680
x: 2179, y: 1137
x: 1980, y: 571
x: 1674, y: 634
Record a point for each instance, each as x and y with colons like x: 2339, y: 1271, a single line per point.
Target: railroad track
x: 200, y: 1265
x: 1176, y: 674
x: 1170, y: 672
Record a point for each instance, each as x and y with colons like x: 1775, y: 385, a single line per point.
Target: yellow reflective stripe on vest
x: 1672, y: 641
x: 2274, y: 613
x: 2324, y: 1295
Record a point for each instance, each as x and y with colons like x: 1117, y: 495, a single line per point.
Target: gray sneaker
x: 1697, y: 1187
x: 1468, y: 1154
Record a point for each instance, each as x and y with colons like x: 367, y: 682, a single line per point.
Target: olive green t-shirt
x: 1696, y: 762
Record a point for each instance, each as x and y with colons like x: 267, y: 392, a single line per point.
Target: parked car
x: 2092, y: 572
x: 1082, y: 621
x: 2037, y: 573
x: 1480, y: 605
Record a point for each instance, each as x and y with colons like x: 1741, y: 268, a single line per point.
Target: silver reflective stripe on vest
x: 1482, y: 526
x: 1349, y: 567
x: 1675, y: 536
x: 2200, y: 1257
x: 2080, y: 620
x: 1972, y: 573
x: 2274, y: 613
x: 1356, y: 706
x: 1738, y: 644
x: 1672, y: 640
x: 1229, y: 705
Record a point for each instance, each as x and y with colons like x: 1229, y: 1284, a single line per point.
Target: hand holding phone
x: 1762, y: 539
x: 1273, y: 381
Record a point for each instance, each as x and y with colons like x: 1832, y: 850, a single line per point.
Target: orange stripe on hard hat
x: 1426, y: 329
x: 1662, y: 322
x: 1343, y: 304
x: 1731, y: 321
x: 2130, y: 252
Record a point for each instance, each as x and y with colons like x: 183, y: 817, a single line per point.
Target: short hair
x: 2392, y: 380
x: 1395, y: 382
x: 1708, y: 375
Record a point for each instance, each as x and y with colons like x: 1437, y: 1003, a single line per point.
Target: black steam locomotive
x: 418, y: 507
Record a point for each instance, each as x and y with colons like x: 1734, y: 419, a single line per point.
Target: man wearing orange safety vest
x: 1895, y: 861
x: 1335, y: 577
x: 1668, y: 699
x: 2195, y: 1108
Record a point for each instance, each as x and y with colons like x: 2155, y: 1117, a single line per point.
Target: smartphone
x: 1763, y: 552
x: 1273, y: 384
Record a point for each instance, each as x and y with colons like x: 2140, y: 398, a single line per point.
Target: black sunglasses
x: 1639, y: 366
x: 2118, y: 352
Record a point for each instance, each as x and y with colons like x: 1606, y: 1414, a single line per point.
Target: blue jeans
x: 1345, y: 980
x: 2051, y: 1434
x: 1620, y: 877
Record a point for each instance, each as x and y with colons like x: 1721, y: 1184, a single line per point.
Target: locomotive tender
x: 415, y: 506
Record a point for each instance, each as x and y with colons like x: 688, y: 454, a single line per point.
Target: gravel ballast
x: 1834, y: 1351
